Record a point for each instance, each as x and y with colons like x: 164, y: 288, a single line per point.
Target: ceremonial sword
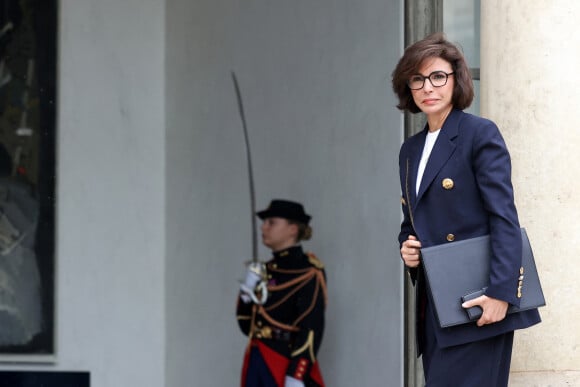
x: 250, y: 174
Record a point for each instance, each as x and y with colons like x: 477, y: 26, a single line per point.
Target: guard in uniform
x: 281, y: 304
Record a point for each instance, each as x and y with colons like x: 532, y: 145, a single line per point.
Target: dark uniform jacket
x: 288, y: 328
x: 465, y: 192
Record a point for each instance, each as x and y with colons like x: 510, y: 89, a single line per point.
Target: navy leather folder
x: 457, y: 269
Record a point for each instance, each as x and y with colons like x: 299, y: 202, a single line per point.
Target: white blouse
x: 429, y: 143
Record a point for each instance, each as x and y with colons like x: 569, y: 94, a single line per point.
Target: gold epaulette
x: 314, y: 261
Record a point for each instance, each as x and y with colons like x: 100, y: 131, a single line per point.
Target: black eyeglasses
x: 437, y: 79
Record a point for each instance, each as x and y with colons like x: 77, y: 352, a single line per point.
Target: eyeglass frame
x: 429, y: 78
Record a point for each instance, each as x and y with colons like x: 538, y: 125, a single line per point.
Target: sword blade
x: 250, y: 170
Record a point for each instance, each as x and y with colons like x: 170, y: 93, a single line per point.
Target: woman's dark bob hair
x: 433, y: 46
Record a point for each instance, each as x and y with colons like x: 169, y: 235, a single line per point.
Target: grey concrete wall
x: 315, y: 79
x: 110, y: 193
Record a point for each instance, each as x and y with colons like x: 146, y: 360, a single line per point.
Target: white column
x: 530, y: 87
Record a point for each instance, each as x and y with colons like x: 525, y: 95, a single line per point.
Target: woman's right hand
x: 411, y: 251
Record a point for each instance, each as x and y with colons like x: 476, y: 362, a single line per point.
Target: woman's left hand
x: 494, y: 310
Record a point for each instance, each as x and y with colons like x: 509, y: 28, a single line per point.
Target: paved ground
x: 545, y: 379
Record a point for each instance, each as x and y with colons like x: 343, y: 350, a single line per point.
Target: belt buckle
x: 263, y: 333
x: 266, y: 332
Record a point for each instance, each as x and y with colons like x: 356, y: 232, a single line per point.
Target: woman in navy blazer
x: 456, y: 184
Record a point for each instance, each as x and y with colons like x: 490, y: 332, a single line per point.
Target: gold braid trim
x: 309, y: 344
x: 312, y: 305
x: 275, y: 323
x: 289, y: 271
x: 252, y: 324
x: 320, y: 283
x: 314, y: 261
x: 302, y: 281
x: 304, y: 277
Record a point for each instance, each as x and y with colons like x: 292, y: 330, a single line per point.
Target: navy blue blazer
x: 466, y: 192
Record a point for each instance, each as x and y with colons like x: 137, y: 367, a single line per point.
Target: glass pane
x: 28, y: 82
x: 474, y: 108
x: 461, y: 25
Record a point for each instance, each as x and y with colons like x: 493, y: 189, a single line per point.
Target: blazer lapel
x: 442, y: 151
x: 413, y: 158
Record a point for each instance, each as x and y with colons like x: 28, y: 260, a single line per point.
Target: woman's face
x: 278, y: 234
x: 430, y: 99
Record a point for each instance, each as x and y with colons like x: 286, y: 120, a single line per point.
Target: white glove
x: 253, y: 277
x: 291, y: 382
